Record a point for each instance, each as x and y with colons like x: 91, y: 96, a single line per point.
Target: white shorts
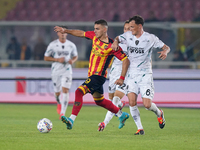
x: 114, y: 74
x: 60, y: 81
x: 141, y: 83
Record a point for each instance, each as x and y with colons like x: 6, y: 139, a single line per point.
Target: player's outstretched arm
x: 78, y: 33
x: 125, y: 65
x: 164, y: 52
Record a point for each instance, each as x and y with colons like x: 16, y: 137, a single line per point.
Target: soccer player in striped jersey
x: 63, y: 53
x: 140, y: 78
x: 100, y: 58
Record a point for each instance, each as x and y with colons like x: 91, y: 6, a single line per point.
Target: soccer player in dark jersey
x: 100, y: 58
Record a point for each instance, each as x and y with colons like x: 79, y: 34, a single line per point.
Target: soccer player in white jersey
x: 63, y: 53
x: 140, y: 78
x: 116, y: 92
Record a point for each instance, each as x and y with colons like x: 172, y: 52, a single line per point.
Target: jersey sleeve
x: 157, y: 42
x: 89, y: 34
x: 124, y: 48
x: 123, y: 37
x: 120, y: 54
x: 49, y: 51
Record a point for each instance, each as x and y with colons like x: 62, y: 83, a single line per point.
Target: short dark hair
x: 101, y: 22
x: 63, y: 26
x: 138, y: 19
x: 127, y: 21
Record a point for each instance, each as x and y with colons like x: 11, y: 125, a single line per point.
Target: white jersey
x: 140, y: 50
x: 56, y: 49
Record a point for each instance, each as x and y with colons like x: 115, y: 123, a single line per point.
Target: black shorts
x: 95, y: 83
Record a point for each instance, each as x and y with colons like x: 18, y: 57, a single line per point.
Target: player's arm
x: 115, y: 44
x: 164, y: 52
x: 71, y: 61
x: 60, y: 60
x: 125, y: 64
x: 78, y: 33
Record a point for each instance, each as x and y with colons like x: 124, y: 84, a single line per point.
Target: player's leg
x: 119, y: 94
x: 66, y: 82
x: 79, y: 93
x: 135, y: 112
x: 57, y: 88
x: 109, y: 115
x: 64, y: 102
x: 133, y: 91
x: 148, y: 104
x: 147, y: 92
x: 116, y: 96
x: 107, y: 104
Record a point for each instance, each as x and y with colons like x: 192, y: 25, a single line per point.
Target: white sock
x: 117, y: 101
x: 119, y: 113
x: 155, y: 109
x: 136, y: 116
x: 73, y: 117
x: 109, y: 116
x: 57, y: 98
x: 64, y: 103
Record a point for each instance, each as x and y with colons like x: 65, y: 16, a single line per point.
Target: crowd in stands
x: 113, y: 10
x: 22, y: 51
x: 85, y: 10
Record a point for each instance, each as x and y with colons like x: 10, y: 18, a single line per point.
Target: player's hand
x: 61, y: 60
x: 163, y: 54
x: 59, y: 29
x: 70, y: 61
x: 115, y: 46
x: 119, y: 82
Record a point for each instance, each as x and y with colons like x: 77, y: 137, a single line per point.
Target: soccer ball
x: 44, y: 125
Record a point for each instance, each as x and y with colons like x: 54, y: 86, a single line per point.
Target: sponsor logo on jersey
x: 97, y: 53
x: 136, y: 50
x: 65, y: 53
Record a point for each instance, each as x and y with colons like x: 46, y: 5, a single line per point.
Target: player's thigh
x: 66, y: 81
x: 121, y: 89
x: 147, y: 87
x: 97, y: 95
x: 132, y: 84
x: 56, y: 79
x: 112, y: 78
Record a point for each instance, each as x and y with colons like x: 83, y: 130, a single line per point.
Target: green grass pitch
x: 18, y: 130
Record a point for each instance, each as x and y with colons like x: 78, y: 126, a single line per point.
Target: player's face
x: 135, y: 28
x: 99, y: 30
x: 126, y: 27
x: 62, y: 36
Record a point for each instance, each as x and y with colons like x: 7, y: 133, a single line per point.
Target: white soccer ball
x: 44, y: 125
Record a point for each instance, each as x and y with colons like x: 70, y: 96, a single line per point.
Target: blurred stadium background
x: 30, y: 24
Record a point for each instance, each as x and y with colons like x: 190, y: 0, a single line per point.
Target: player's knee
x: 147, y: 105
x: 65, y: 90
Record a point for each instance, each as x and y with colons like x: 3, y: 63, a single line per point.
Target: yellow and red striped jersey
x: 101, y: 55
